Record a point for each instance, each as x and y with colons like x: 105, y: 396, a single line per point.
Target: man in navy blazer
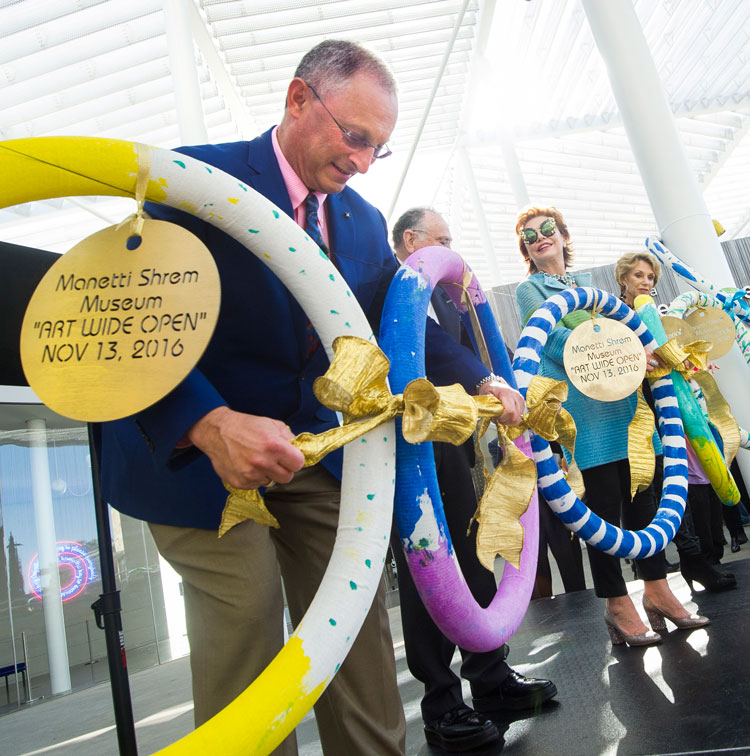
x: 234, y: 416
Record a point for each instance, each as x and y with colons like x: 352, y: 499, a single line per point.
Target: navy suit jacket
x: 448, y: 317
x: 256, y: 361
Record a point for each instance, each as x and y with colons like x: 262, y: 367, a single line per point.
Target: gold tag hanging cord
x: 137, y: 219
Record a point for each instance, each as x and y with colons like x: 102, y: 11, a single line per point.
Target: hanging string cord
x: 137, y: 219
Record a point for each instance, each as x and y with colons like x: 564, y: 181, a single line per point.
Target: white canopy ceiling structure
x: 500, y: 101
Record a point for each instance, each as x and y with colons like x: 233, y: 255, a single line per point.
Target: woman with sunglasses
x: 601, y: 443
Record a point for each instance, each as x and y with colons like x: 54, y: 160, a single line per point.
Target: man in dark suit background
x: 495, y: 687
x: 234, y: 416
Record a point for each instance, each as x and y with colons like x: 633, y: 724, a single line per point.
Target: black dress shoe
x: 735, y: 545
x: 697, y: 567
x: 516, y: 693
x: 741, y: 536
x: 461, y: 729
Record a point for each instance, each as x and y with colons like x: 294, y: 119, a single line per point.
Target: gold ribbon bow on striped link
x: 641, y: 427
x: 674, y: 355
x: 719, y: 411
x: 509, y: 489
x: 355, y: 385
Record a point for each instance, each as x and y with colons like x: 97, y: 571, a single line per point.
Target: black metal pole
x: 108, y: 618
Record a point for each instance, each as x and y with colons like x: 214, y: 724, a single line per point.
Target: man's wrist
x: 491, y: 378
x: 204, y: 424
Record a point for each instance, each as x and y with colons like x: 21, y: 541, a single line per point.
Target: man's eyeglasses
x: 351, y: 138
x: 441, y: 241
x: 529, y: 235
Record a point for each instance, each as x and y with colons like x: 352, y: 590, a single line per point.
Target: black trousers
x: 566, y: 550
x: 734, y: 523
x: 428, y: 651
x: 732, y: 518
x: 707, y: 515
x: 686, y: 539
x: 608, y: 495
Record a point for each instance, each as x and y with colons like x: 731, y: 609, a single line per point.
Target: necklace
x: 566, y: 278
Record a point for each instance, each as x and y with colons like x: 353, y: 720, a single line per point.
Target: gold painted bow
x: 506, y: 498
x: 674, y: 355
x: 355, y: 384
x: 697, y: 352
x: 641, y: 446
x: 509, y: 489
x: 719, y: 412
x: 641, y: 428
x: 549, y: 419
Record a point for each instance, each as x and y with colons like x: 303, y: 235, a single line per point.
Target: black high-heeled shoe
x: 696, y: 567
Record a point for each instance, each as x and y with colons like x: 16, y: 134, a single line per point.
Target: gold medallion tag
x: 604, y: 359
x: 714, y: 325
x: 678, y: 329
x: 111, y: 330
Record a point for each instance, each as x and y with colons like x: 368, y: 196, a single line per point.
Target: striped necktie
x: 312, y: 227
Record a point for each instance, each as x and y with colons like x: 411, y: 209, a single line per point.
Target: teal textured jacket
x: 602, y: 427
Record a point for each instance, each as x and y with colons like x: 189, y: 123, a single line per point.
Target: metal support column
x: 684, y: 222
x: 49, y: 571
x: 187, y: 92
x: 484, y: 230
x: 427, y: 107
x: 513, y: 167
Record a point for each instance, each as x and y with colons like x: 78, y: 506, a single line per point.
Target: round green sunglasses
x: 529, y: 235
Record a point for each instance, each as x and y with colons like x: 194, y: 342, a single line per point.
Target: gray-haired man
x: 495, y: 687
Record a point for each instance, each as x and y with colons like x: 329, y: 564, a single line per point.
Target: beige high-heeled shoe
x: 618, y: 636
x: 657, y: 616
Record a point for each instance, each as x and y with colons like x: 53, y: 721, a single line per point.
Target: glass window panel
x: 59, y: 510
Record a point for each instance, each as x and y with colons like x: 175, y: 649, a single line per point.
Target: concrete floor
x: 82, y: 723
